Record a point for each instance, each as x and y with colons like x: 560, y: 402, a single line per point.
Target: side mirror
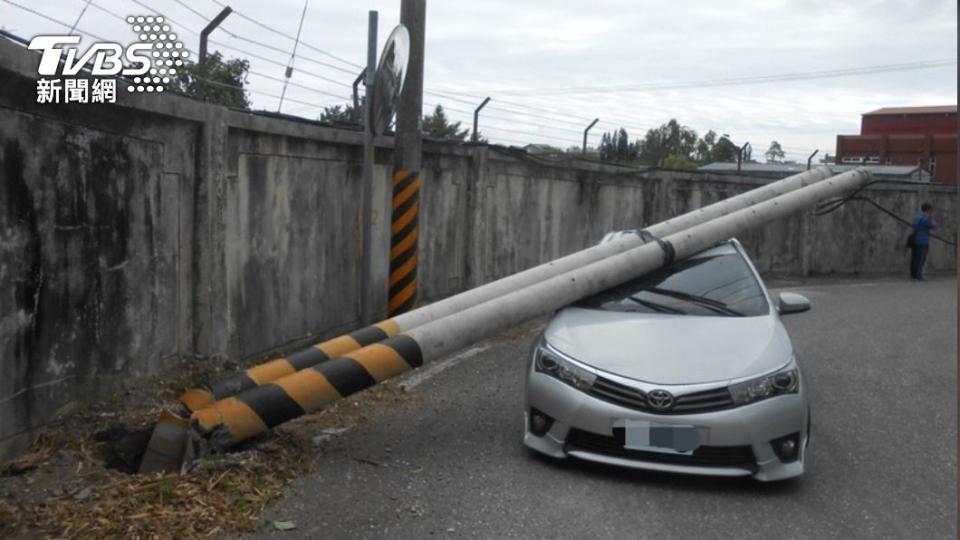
x: 793, y: 303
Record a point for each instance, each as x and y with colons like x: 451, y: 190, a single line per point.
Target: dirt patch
x: 76, y: 480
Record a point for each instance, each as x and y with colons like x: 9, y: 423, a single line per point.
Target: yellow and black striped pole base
x: 404, y: 231
x: 199, y: 398
x: 255, y: 411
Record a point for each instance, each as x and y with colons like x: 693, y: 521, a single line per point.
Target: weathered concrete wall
x: 159, y: 228
x: 90, y: 247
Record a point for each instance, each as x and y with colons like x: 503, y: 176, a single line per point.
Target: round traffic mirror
x: 388, y: 80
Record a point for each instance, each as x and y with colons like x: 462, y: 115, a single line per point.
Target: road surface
x: 880, y: 359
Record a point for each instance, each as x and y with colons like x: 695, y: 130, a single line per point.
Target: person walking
x: 920, y: 240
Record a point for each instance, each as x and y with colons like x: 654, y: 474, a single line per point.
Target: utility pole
x: 404, y: 229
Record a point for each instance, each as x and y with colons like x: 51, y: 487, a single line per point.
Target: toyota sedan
x: 688, y: 369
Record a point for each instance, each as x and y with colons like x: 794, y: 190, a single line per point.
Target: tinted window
x: 721, y: 285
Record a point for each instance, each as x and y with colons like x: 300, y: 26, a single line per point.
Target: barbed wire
x: 553, y: 125
x: 288, y: 36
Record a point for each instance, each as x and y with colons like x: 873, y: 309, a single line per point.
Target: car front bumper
x: 586, y: 428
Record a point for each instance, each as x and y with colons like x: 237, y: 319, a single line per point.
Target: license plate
x: 652, y: 437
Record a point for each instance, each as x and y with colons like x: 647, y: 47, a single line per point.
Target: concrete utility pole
x: 253, y: 412
x: 198, y: 398
x: 404, y: 223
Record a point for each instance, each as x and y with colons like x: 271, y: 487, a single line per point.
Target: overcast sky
x: 551, y: 66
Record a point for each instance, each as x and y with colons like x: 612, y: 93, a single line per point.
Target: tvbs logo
x: 146, y: 65
x: 105, y: 59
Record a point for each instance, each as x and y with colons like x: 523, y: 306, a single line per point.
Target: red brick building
x: 925, y: 136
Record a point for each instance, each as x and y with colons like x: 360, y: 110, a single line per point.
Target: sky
x: 551, y: 67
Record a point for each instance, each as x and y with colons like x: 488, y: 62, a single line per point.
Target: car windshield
x: 716, y: 283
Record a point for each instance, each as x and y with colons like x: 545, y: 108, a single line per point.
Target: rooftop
x: 935, y: 109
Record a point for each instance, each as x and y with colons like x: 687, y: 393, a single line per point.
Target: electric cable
x: 827, y: 207
x: 288, y: 36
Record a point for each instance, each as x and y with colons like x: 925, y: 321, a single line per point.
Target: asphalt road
x: 880, y: 358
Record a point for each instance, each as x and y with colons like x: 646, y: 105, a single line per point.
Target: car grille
x: 705, y: 456
x: 625, y: 396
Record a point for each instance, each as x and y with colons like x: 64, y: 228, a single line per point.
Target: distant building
x: 900, y: 173
x: 911, y: 136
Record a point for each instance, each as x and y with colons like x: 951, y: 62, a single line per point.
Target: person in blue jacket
x: 920, y: 240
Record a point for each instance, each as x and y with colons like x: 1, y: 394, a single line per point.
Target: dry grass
x: 63, y: 489
x: 224, y: 496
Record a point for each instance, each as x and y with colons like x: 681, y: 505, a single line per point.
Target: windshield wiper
x: 709, y: 303
x: 657, y: 307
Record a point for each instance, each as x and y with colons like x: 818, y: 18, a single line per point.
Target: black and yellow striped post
x: 404, y: 231
x: 255, y: 411
x: 199, y: 398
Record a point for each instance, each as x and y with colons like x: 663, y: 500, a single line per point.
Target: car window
x: 718, y: 284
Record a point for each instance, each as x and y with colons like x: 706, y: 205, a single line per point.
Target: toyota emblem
x: 660, y: 399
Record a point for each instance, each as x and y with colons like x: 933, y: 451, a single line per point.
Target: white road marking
x: 421, y: 376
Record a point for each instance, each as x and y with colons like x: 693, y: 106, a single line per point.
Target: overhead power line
x: 234, y: 35
x: 555, y: 121
x: 730, y: 81
x: 217, y: 83
x: 296, y: 85
x: 51, y: 19
x: 289, y: 36
x: 231, y: 47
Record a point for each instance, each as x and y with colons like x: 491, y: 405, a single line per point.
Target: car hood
x: 671, y: 349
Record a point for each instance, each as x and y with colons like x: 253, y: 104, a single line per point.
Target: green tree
x: 337, y: 114
x: 437, y: 125
x: 221, y: 82
x: 667, y: 140
x: 677, y: 162
x: 710, y: 149
x: 775, y: 153
x: 616, y: 146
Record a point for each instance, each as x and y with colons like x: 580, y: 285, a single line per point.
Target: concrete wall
x: 157, y: 229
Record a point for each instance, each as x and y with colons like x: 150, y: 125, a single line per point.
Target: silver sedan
x: 688, y: 369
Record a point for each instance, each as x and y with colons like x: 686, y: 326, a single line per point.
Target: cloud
x: 482, y: 48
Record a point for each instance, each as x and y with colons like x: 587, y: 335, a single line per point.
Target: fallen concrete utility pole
x: 255, y: 411
x: 198, y: 398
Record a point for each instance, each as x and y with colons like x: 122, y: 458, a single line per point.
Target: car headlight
x: 785, y: 381
x: 551, y: 363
